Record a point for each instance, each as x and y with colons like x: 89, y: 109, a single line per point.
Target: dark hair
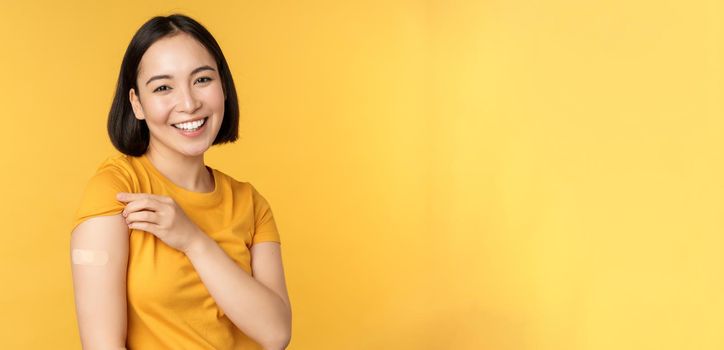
x: 130, y: 135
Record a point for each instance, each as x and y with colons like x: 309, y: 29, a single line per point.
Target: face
x: 178, y: 82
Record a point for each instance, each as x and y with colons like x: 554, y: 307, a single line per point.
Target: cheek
x: 158, y: 109
x: 214, y: 97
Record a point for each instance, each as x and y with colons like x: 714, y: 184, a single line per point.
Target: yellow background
x: 444, y: 174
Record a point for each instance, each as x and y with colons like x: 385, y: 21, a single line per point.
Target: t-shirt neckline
x: 196, y: 196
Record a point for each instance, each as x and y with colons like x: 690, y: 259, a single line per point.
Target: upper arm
x: 100, y: 290
x: 267, y: 268
x: 266, y: 257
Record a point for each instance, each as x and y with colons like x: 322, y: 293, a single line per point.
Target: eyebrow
x: 166, y: 76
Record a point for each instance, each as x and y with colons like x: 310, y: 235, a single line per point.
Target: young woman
x: 168, y: 253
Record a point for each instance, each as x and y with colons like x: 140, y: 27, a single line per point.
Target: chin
x: 194, y: 152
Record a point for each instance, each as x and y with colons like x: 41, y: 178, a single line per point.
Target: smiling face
x: 178, y: 82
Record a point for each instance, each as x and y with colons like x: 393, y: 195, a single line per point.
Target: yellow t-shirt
x: 169, y: 307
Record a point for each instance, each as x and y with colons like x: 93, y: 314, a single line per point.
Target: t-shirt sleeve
x: 99, y: 196
x: 265, y: 228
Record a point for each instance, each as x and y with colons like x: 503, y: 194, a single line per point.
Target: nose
x: 188, y: 102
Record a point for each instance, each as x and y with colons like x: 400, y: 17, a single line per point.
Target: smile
x: 191, y: 129
x: 191, y: 126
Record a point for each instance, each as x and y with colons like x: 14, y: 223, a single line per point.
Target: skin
x: 161, y: 216
x: 257, y: 304
x: 183, y: 97
x: 179, y: 97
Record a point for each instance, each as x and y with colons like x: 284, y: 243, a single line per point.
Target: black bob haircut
x: 130, y: 135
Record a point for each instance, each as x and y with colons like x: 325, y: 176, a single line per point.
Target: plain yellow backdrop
x: 445, y: 174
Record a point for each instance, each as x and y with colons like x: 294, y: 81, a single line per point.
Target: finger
x: 142, y: 216
x: 143, y: 226
x: 141, y: 204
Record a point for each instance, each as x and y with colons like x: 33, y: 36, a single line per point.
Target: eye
x: 208, y: 79
x: 159, y: 88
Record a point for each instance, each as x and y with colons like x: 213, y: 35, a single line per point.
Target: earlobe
x: 136, y: 105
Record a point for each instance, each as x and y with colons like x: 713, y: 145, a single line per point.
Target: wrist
x: 197, y: 245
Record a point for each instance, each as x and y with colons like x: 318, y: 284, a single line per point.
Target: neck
x: 188, y: 172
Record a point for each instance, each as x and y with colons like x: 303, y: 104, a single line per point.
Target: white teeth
x: 190, y: 125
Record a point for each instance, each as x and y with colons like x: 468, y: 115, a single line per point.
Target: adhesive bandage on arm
x: 89, y: 257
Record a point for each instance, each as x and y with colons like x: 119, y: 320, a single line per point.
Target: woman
x: 168, y: 253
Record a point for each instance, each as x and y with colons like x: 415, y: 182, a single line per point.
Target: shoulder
x: 245, y: 190
x: 119, y: 163
x: 115, y: 173
x: 254, y: 203
x: 237, y: 186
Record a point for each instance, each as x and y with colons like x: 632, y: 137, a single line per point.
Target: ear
x: 136, y: 105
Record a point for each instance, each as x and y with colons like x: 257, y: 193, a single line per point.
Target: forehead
x: 179, y: 53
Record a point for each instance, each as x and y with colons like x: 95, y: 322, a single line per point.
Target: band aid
x: 89, y: 257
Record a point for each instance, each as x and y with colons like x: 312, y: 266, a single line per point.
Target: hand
x: 160, y: 216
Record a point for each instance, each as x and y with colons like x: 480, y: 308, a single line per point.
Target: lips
x: 195, y: 132
x: 190, y: 120
x: 193, y: 127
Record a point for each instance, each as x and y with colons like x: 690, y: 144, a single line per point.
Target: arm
x: 259, y: 306
x: 100, y: 286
